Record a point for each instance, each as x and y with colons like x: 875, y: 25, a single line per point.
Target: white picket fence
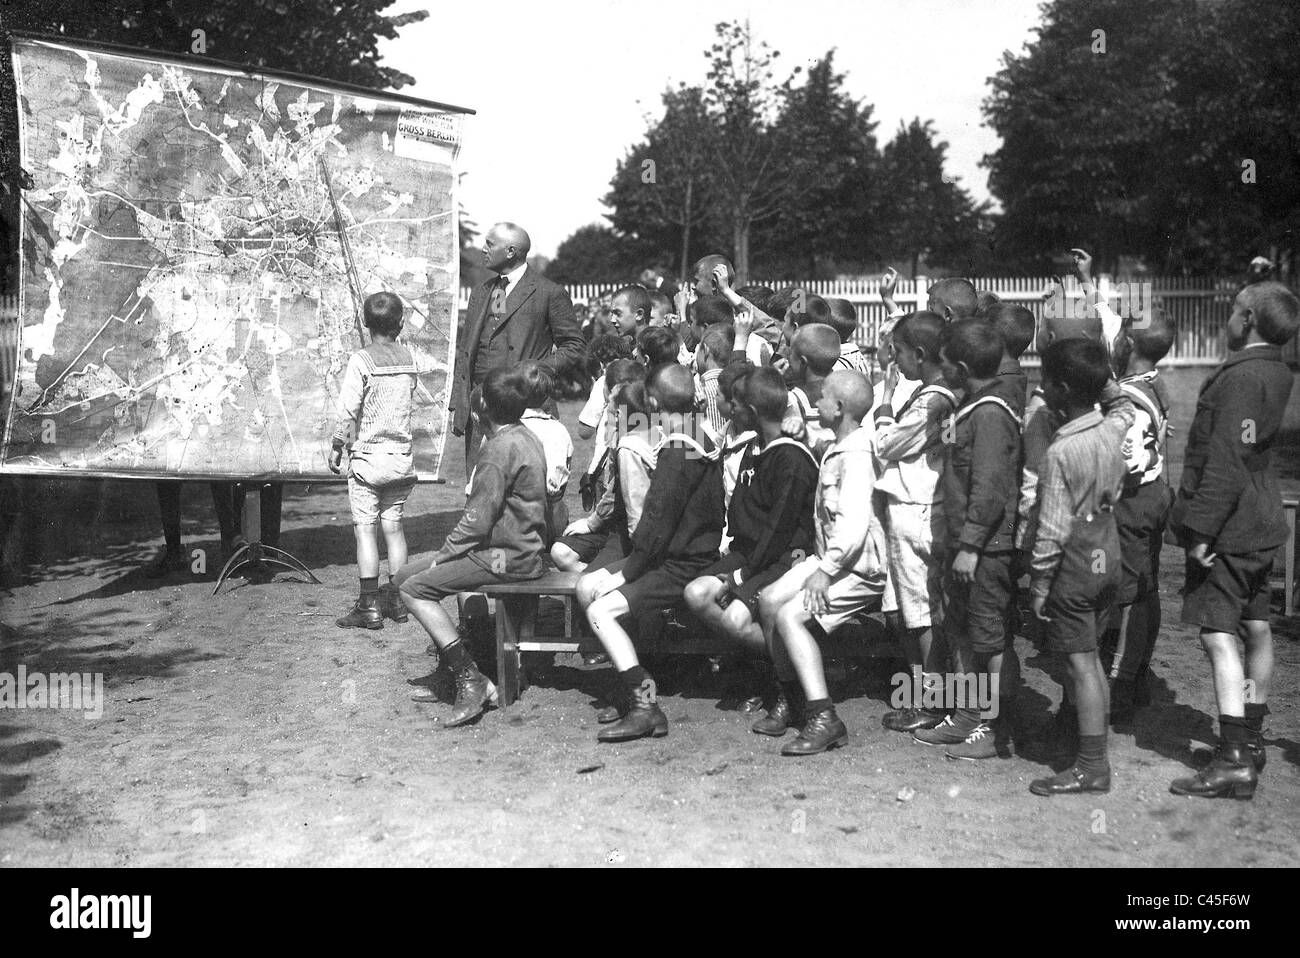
x: 1198, y: 307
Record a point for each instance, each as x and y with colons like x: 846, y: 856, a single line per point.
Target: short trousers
x: 980, y: 615
x: 1141, y: 516
x: 372, y: 503
x: 915, y: 572
x: 424, y: 580
x: 849, y: 594
x: 1076, y: 623
x: 1233, y: 590
x: 586, y: 545
x: 657, y: 589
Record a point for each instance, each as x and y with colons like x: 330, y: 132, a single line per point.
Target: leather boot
x: 1073, y: 781
x: 909, y: 720
x: 617, y: 704
x: 784, y: 713
x: 643, y: 718
x: 391, y: 604
x: 1231, y: 773
x: 474, y: 693
x: 365, y: 614
x: 821, y: 732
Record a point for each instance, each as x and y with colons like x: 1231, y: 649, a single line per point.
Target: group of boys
x: 747, y: 469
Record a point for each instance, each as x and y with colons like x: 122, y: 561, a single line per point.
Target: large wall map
x: 194, y: 254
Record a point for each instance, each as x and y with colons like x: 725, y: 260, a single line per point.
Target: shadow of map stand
x: 255, y: 554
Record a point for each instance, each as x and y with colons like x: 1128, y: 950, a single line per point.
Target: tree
x: 831, y: 161
x: 595, y: 254
x: 660, y: 191
x: 1126, y: 124
x: 927, y: 215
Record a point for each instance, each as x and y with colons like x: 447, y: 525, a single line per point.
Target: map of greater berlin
x: 194, y: 257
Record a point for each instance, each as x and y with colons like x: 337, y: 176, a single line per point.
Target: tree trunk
x: 686, y: 231
x: 740, y: 249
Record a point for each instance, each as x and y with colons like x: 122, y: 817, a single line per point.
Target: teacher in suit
x: 516, y: 317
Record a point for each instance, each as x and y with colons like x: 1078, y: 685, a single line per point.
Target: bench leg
x: 1289, y: 564
x: 516, y: 619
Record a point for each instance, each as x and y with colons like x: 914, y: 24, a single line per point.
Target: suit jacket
x: 539, y: 317
x: 1229, y: 494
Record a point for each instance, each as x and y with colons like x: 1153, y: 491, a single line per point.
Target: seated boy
x: 583, y: 539
x: 843, y: 578
x: 592, y: 420
x: 1228, y: 516
x: 500, y: 538
x: 657, y: 346
x: 629, y: 310
x: 910, y: 448
x: 712, y: 354
x: 770, y: 517
x: 813, y: 352
x: 375, y: 426
x: 1074, y: 570
x: 539, y: 384
x: 675, y: 540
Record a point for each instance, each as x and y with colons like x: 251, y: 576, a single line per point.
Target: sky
x: 562, y: 87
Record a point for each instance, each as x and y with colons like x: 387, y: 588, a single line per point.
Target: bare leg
x: 367, y: 550
x: 394, y: 545
x: 434, y: 618
x: 802, y: 649
x: 1259, y: 658
x: 733, y: 622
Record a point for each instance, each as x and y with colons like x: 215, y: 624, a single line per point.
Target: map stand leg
x: 254, y: 553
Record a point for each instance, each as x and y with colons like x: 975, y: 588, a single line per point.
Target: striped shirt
x: 706, y: 393
x: 851, y: 357
x: 1082, y: 475
x: 375, y: 399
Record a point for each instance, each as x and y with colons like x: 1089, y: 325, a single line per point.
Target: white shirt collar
x: 512, y: 277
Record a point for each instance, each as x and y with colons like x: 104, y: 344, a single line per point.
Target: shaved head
x: 673, y: 387
x: 852, y: 389
x: 819, y: 346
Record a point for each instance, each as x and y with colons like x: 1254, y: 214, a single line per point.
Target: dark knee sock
x: 817, y: 705
x: 633, y: 677
x: 369, y: 585
x: 1092, y: 754
x: 1255, y: 713
x: 457, y: 656
x: 1235, y: 729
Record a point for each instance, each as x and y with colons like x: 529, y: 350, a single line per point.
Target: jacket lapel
x: 477, y: 318
x: 525, y: 288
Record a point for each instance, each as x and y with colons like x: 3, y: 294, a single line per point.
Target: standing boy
x: 1075, y: 566
x: 1228, y: 516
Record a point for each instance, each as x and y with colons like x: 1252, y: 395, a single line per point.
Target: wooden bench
x: 516, y: 630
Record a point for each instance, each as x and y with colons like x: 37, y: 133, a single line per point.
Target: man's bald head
x: 505, y: 247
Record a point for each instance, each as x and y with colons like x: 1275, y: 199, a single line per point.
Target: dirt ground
x: 247, y: 729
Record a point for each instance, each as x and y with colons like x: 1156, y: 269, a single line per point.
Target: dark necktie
x: 498, y: 307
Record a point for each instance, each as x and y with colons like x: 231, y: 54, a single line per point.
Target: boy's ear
x: 965, y: 370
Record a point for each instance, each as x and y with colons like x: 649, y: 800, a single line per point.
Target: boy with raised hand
x: 675, y: 540
x: 844, y: 320
x: 980, y: 484
x: 753, y: 339
x: 500, y: 537
x: 375, y: 402
x: 1228, y: 516
x: 843, y: 578
x: 909, y: 447
x: 1141, y: 514
x: 770, y: 517
x: 1075, y: 568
